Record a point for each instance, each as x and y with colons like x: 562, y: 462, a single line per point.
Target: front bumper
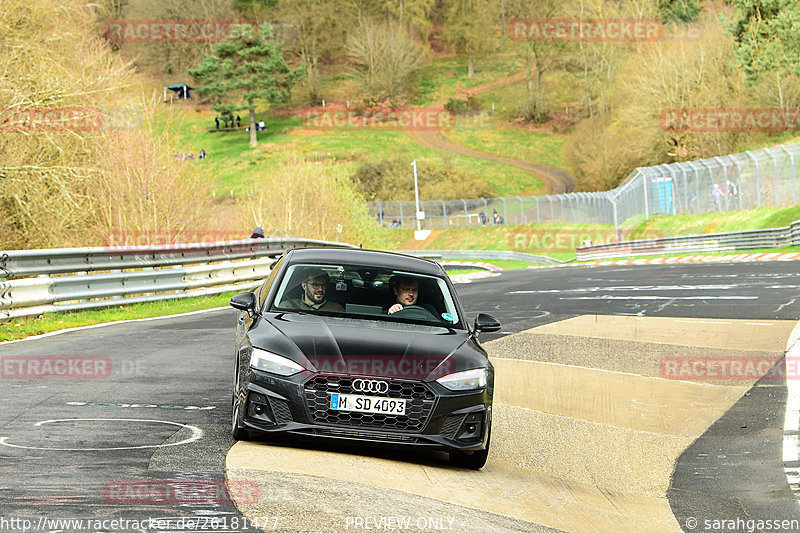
x: 436, y: 418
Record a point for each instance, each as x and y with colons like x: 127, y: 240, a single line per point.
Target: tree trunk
x: 253, y: 137
x: 470, y: 67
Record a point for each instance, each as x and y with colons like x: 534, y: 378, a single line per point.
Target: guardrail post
x: 791, y: 158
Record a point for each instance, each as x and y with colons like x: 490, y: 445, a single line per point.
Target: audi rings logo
x: 370, y: 385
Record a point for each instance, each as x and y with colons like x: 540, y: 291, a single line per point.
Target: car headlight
x: 467, y: 380
x: 273, y: 363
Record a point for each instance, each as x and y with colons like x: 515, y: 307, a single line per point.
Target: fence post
x: 521, y: 211
x: 646, y: 204
x: 505, y: 211
x: 738, y: 182
x: 445, y: 222
x: 775, y: 177
x: 673, y: 188
x: 725, y: 177
x: 758, y: 178
x: 466, y: 216
x: 791, y: 158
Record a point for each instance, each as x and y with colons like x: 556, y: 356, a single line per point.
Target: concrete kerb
x: 596, y: 445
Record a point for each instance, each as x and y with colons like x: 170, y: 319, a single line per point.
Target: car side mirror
x: 244, y: 301
x: 486, y: 323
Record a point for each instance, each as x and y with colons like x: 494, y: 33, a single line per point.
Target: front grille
x: 418, y: 408
x: 451, y: 425
x: 281, y: 411
x: 370, y: 435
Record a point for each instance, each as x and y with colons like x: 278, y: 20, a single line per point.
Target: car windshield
x: 365, y: 291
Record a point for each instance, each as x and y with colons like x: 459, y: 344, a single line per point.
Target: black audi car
x: 364, y: 346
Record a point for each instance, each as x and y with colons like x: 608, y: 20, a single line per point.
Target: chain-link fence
x: 759, y: 178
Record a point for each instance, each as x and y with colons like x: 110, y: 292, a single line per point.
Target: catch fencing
x: 33, y: 282
x: 737, y: 182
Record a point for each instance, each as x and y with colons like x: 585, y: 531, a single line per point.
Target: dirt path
x: 556, y: 180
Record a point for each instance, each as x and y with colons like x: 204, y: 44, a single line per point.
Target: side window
x: 263, y: 291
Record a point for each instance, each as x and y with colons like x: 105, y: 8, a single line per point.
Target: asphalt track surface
x: 106, y: 448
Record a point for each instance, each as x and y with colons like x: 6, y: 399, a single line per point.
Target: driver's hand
x: 395, y: 308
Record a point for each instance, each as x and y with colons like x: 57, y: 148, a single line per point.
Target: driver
x: 315, y: 287
x: 406, y: 292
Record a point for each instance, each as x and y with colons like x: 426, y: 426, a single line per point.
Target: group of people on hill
x: 189, y: 155
x: 229, y: 119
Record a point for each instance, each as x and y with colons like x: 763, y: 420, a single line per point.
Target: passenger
x: 315, y: 287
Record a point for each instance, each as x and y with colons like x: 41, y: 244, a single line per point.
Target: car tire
x: 237, y: 431
x: 473, y: 461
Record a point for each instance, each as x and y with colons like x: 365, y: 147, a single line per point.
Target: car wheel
x: 237, y: 431
x: 474, y: 460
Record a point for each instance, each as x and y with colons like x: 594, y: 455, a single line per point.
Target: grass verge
x: 20, y: 328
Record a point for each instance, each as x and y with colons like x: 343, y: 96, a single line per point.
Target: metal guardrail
x: 24, y: 263
x: 713, y: 242
x: 31, y: 284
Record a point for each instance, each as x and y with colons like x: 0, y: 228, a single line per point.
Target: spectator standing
x: 716, y: 194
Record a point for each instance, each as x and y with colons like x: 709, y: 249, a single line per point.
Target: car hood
x: 333, y: 345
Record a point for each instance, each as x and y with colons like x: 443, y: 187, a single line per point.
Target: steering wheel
x: 415, y: 312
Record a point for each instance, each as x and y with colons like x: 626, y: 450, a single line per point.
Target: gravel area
x: 303, y: 503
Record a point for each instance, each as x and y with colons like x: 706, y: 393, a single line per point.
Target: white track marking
x: 196, y: 435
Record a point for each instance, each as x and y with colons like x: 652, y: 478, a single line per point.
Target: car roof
x: 374, y: 258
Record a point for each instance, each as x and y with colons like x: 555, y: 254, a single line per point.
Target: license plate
x: 368, y: 404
